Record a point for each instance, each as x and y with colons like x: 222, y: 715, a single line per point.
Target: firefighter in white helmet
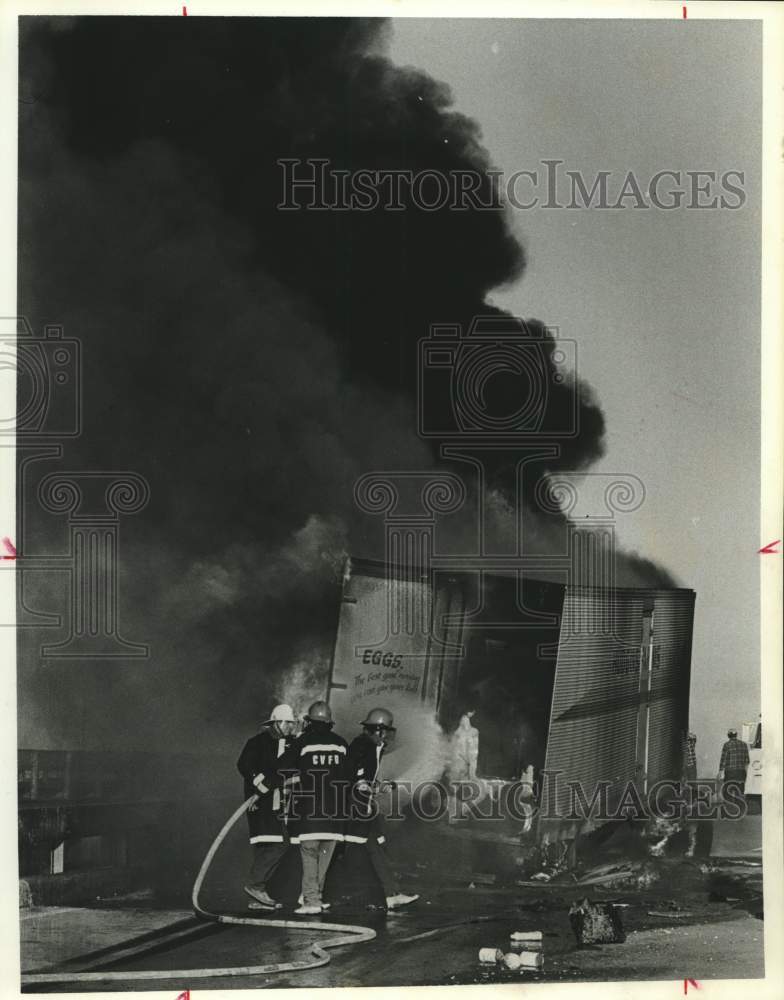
x: 259, y: 764
x: 364, y: 825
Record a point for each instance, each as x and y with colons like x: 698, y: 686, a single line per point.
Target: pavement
x: 54, y: 935
x: 684, y: 918
x: 740, y: 838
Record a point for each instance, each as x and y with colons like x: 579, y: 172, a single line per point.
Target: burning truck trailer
x: 585, y: 690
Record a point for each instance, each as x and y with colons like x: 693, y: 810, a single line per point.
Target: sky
x: 664, y: 305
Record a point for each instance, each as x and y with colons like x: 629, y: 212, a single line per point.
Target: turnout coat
x: 364, y: 767
x: 316, y: 762
x: 259, y: 764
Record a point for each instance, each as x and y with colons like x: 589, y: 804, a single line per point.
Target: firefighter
x: 364, y: 825
x: 259, y: 764
x: 318, y: 761
x: 734, y: 762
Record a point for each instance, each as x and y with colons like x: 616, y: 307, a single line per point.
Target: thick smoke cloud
x: 234, y: 97
x: 250, y: 363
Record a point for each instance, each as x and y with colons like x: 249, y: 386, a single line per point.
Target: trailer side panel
x: 620, y: 701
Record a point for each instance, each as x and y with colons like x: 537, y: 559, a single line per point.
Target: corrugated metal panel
x: 447, y: 652
x: 672, y: 636
x: 598, y: 706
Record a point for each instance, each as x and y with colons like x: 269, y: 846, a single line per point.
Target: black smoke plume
x: 249, y: 363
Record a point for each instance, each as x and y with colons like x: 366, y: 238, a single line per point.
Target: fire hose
x: 316, y: 950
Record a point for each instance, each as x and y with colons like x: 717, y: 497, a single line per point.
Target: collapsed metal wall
x: 620, y: 702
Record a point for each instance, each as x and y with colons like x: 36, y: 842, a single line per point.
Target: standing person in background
x: 734, y: 762
x: 689, y: 768
x: 259, y: 765
x: 364, y: 826
x: 318, y: 759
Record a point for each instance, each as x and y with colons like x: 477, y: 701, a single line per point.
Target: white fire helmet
x: 281, y: 713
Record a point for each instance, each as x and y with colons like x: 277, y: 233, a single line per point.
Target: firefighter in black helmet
x: 364, y: 826
x: 318, y: 761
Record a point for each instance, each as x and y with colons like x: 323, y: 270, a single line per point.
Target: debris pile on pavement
x: 631, y: 874
x: 554, y: 860
x: 524, y: 955
x: 615, y: 873
x: 738, y: 883
x: 647, y: 877
x: 596, y: 923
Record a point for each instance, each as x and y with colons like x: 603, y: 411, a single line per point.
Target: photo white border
x: 772, y: 442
